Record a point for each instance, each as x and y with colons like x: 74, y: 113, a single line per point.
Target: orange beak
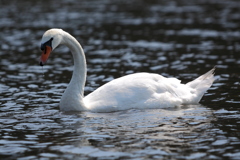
x: 45, y: 54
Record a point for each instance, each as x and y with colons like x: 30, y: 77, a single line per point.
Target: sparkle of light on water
x: 177, y: 38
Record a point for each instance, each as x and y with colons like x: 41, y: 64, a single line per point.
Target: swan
x: 134, y: 91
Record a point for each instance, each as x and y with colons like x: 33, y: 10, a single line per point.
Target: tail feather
x: 202, y: 84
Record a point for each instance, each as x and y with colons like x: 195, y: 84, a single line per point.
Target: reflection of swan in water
x: 139, y: 90
x: 131, y: 117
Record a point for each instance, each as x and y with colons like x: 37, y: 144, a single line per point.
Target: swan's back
x: 140, y: 90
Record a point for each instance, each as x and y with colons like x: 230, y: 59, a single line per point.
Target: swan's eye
x: 48, y: 43
x: 42, y: 47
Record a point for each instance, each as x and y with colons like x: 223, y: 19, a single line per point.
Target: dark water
x: 181, y: 38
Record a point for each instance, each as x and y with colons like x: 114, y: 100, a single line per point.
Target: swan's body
x: 139, y: 90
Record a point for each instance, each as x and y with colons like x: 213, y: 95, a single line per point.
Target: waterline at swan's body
x: 139, y: 90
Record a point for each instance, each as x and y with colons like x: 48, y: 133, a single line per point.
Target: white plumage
x: 139, y: 90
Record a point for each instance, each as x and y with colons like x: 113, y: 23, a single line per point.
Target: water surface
x: 181, y: 39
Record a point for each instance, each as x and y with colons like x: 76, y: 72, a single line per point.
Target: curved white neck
x: 72, y: 98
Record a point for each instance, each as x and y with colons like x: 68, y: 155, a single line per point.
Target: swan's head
x: 50, y: 40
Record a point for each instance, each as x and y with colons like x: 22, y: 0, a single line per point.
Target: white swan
x: 139, y: 90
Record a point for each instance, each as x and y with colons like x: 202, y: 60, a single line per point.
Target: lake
x: 176, y: 38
